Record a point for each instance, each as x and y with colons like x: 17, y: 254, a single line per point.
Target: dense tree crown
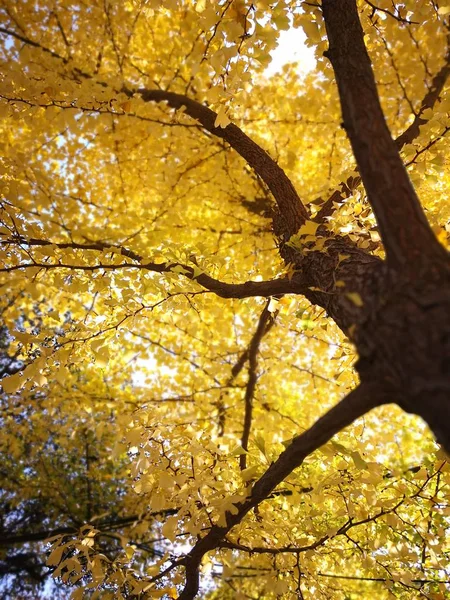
x: 225, y: 311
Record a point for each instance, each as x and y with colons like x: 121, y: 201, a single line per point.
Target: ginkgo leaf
x: 238, y: 451
x: 309, y: 228
x: 222, y: 119
x: 55, y: 556
x: 360, y: 463
x: 249, y: 473
x: 13, y: 383
x: 169, y: 528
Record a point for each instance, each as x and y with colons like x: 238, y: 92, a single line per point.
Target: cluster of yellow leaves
x: 143, y: 361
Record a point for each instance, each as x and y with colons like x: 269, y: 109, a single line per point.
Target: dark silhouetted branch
x: 354, y: 405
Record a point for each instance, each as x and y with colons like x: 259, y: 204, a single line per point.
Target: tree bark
x: 405, y: 232
x: 403, y: 330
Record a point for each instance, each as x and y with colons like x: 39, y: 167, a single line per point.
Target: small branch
x: 239, y: 365
x: 40, y: 536
x: 380, y: 579
x: 347, y: 526
x: 391, y: 14
x: 30, y: 42
x: 248, y: 289
x: 253, y: 350
x: 235, y: 370
x: 429, y: 100
x: 354, y: 405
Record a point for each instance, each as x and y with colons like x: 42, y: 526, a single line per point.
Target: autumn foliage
x: 225, y: 318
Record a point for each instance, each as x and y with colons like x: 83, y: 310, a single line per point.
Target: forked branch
x: 354, y: 405
x: 345, y: 188
x: 390, y: 192
x: 253, y: 350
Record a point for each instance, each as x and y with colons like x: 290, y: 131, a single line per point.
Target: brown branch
x: 99, y: 246
x: 235, y: 370
x: 391, y: 14
x: 354, y: 405
x: 220, y: 288
x: 429, y: 100
x: 31, y: 42
x: 253, y: 350
x: 380, y: 579
x: 289, y: 204
x: 287, y: 199
x: 345, y: 188
x: 405, y: 232
x: 40, y: 536
x: 239, y: 365
x: 347, y: 526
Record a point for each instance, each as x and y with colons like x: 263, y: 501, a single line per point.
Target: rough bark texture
x: 403, y: 331
x: 405, y: 232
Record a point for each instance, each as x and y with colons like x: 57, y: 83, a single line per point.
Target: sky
x: 291, y: 48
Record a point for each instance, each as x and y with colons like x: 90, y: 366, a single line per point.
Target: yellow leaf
x: 309, y: 228
x: 249, y: 473
x: 77, y: 594
x: 13, y: 383
x: 360, y: 463
x: 200, y: 6
x: 355, y: 298
x: 222, y: 119
x: 126, y: 106
x: 169, y: 528
x: 238, y: 451
x: 55, y: 556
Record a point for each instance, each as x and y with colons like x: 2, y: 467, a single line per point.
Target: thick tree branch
x: 287, y: 199
x: 345, y: 188
x: 220, y: 288
x: 354, y: 405
x: 405, y: 232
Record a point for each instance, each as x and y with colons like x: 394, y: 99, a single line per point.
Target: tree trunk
x: 402, y: 332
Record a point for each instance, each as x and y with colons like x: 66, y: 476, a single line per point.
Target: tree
x: 56, y: 441
x: 138, y: 223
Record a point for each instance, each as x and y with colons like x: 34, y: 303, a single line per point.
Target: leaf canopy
x: 159, y: 347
